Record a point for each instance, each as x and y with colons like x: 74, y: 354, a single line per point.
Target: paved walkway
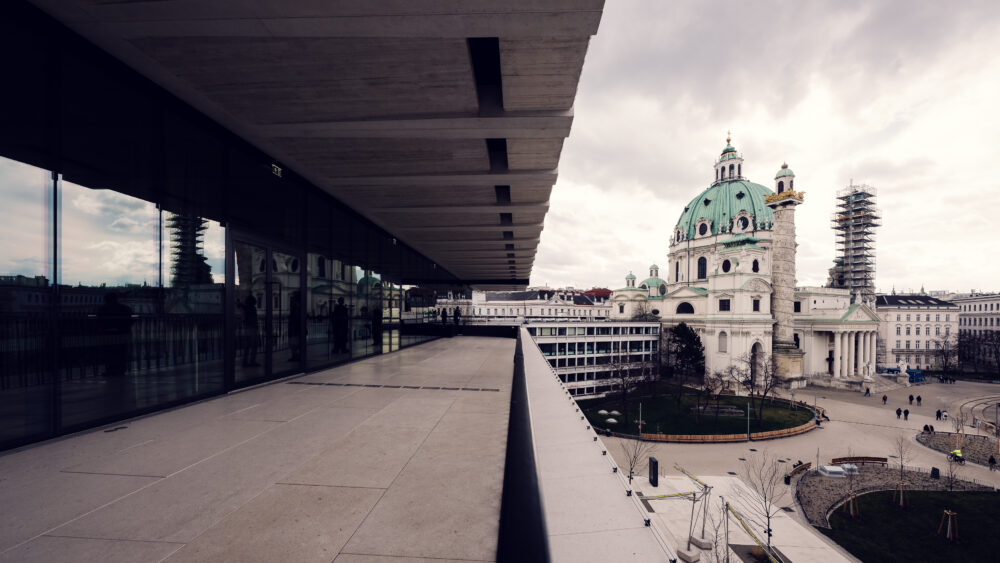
x: 859, y: 425
x: 362, y: 462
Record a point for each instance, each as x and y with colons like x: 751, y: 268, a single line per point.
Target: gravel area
x: 817, y: 494
x: 977, y: 449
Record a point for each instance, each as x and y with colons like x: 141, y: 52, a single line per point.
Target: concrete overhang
x: 442, y: 122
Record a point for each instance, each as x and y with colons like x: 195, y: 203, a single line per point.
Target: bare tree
x: 712, y: 389
x: 762, y: 476
x: 952, y: 476
x: 989, y: 342
x: 717, y: 523
x: 625, y: 375
x: 760, y: 379
x: 902, y: 448
x: 635, y: 451
x: 946, y: 354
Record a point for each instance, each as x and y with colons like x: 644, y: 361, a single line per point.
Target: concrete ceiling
x: 441, y: 121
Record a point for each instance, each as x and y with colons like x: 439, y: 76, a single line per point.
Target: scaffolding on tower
x: 854, y: 223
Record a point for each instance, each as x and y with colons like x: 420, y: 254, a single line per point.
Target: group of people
x: 901, y: 412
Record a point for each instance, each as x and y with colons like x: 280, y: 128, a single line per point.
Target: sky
x: 900, y: 96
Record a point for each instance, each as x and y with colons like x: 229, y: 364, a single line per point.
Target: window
x: 898, y: 330
x: 621, y: 308
x: 798, y: 307
x: 781, y: 186
x: 907, y: 344
x: 897, y: 344
x: 916, y: 344
x: 677, y: 271
x: 907, y: 330
x: 918, y: 330
x: 756, y: 266
x: 907, y: 317
x: 703, y: 229
x: 702, y: 267
x: 723, y: 342
x: 897, y: 318
x: 685, y: 308
x: 731, y: 169
x: 723, y: 304
x: 726, y: 266
x: 937, y: 318
x: 756, y: 305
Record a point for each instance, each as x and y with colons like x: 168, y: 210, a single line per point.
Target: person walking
x: 899, y: 412
x: 918, y: 400
x: 906, y: 414
x: 911, y: 399
x: 868, y: 391
x: 993, y: 463
x: 937, y: 415
x: 884, y: 399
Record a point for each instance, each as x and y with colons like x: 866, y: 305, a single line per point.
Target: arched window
x: 756, y: 266
x: 677, y: 271
x: 685, y: 308
x: 723, y: 342
x: 722, y: 173
x: 621, y: 308
x: 731, y: 169
x: 702, y: 268
x: 781, y: 186
x: 716, y: 173
x: 739, y: 169
x: 791, y: 184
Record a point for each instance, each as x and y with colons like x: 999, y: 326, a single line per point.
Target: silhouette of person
x: 251, y: 332
x: 937, y: 415
x: 444, y: 316
x: 884, y: 399
x: 457, y: 316
x: 906, y: 414
x: 295, y: 325
x: 114, y: 325
x: 377, y: 326
x: 911, y: 399
x: 899, y: 412
x: 340, y: 318
x: 918, y: 400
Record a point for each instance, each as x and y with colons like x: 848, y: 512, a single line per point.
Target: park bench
x: 800, y: 469
x: 859, y: 460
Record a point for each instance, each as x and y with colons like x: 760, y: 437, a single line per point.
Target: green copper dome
x: 785, y: 171
x: 654, y: 267
x: 723, y: 201
x: 630, y: 276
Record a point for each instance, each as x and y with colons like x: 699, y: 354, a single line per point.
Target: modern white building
x: 584, y: 353
x: 518, y: 307
x: 719, y: 280
x: 913, y: 329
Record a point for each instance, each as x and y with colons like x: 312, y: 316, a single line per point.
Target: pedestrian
x: 899, y: 412
x: 937, y: 415
x: 918, y: 400
x: 932, y: 428
x: 906, y: 414
x: 993, y: 463
x: 926, y: 429
x: 868, y: 391
x: 884, y: 399
x: 911, y: 399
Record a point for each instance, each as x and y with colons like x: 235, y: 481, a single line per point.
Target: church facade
x: 720, y: 280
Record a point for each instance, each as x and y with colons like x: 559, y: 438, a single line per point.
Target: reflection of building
x: 722, y: 278
x: 516, y: 307
x: 914, y: 329
x: 586, y: 355
x: 188, y: 262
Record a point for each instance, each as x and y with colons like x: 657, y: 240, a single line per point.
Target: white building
x: 518, y: 307
x: 913, y: 329
x: 581, y: 353
x: 719, y: 281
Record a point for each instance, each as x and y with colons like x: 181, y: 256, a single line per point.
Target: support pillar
x: 843, y: 354
x: 850, y: 353
x: 836, y: 354
x: 874, y: 351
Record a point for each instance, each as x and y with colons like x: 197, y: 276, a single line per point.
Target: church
x: 731, y: 253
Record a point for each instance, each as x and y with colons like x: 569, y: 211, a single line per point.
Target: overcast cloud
x: 897, y: 95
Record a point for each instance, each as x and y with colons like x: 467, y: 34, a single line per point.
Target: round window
x: 656, y: 312
x: 703, y: 229
x: 744, y: 223
x: 756, y: 266
x: 726, y: 265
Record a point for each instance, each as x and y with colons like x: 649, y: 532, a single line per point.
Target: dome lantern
x: 729, y: 167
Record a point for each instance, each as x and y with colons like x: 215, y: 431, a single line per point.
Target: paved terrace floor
x: 401, y: 455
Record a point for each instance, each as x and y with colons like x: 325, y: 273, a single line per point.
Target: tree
x: 635, y: 451
x: 717, y: 521
x: 902, y: 449
x: 643, y: 311
x: 714, y: 383
x: 946, y: 354
x: 682, y: 356
x: 990, y: 344
x: 625, y: 375
x: 762, y: 476
x: 967, y: 354
x: 760, y: 380
x: 952, y: 476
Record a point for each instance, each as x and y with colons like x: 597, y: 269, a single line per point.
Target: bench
x: 800, y: 469
x: 862, y: 460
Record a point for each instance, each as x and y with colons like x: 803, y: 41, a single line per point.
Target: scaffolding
x: 854, y: 223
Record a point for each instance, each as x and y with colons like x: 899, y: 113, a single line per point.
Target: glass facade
x: 148, y: 257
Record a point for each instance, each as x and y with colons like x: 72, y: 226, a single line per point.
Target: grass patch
x: 663, y: 414
x: 887, y: 533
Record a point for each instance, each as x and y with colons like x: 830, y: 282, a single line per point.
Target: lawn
x: 663, y: 415
x: 886, y: 533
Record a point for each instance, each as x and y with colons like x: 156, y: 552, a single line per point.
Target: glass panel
x: 286, y: 313
x: 366, y: 318
x: 25, y: 302
x: 321, y: 310
x: 251, y: 307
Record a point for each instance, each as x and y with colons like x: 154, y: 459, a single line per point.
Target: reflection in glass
x: 328, y: 310
x: 25, y: 300
x: 135, y: 333
x: 286, y: 313
x: 251, y: 282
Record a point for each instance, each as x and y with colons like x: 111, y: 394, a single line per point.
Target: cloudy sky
x: 898, y: 95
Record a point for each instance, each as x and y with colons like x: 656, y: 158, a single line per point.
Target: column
x: 850, y: 353
x: 836, y: 354
x: 865, y: 348
x: 874, y: 350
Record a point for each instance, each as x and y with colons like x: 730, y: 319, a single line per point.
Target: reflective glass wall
x: 149, y: 257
